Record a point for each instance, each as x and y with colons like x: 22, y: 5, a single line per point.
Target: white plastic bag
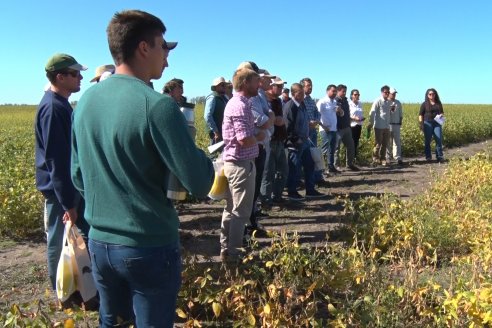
x: 319, y: 163
x: 65, y: 275
x: 82, y: 265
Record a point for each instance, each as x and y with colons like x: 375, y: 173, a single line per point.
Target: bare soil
x: 23, y: 273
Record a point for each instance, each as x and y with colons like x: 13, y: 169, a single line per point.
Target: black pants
x: 260, y: 167
x: 356, y: 131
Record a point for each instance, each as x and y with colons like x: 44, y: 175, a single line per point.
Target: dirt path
x: 23, y: 269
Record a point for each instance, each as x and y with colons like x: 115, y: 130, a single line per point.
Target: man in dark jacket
x: 53, y: 127
x: 298, y: 145
x: 344, y: 130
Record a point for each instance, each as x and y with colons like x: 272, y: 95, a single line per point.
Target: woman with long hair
x: 430, y: 108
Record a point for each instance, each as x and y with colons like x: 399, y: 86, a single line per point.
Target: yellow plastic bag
x: 220, y: 186
x: 65, y: 274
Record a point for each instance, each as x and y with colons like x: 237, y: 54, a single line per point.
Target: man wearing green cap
x: 53, y: 127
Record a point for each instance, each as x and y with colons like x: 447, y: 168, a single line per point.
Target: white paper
x: 440, y: 119
x: 213, y: 148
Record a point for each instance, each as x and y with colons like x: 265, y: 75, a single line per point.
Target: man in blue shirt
x: 214, y: 109
x: 53, y: 127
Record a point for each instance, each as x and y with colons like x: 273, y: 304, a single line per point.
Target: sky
x: 409, y: 45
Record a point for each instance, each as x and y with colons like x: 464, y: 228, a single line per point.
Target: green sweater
x: 126, y: 139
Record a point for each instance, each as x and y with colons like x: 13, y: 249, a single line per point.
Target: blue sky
x: 411, y: 45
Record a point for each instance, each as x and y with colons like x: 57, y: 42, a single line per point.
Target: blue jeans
x: 54, y: 227
x: 276, y: 170
x: 328, y: 146
x: 433, y: 129
x: 313, y: 136
x: 298, y: 157
x: 138, y: 284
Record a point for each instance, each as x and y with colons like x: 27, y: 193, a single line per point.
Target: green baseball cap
x: 62, y: 61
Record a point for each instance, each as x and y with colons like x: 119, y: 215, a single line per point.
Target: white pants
x: 393, y: 151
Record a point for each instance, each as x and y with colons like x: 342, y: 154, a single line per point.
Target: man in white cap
x: 103, y: 72
x: 276, y: 167
x: 396, y: 118
x: 53, y: 128
x: 214, y: 109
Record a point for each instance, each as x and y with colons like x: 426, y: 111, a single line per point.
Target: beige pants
x: 241, y: 177
x: 394, y: 143
x: 381, y: 142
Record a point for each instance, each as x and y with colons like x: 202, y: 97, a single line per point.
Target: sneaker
x: 353, y: 168
x: 333, y: 169
x: 314, y: 194
x: 441, y: 160
x: 384, y: 163
x: 400, y: 162
x: 295, y: 196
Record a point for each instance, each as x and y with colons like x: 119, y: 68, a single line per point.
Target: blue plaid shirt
x: 311, y: 109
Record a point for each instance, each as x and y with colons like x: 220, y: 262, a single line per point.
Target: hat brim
x: 171, y: 45
x: 78, y: 67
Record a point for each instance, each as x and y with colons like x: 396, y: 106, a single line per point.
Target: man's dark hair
x: 295, y: 86
x: 306, y: 79
x: 330, y: 86
x: 177, y: 80
x: 385, y: 88
x: 127, y: 29
x: 341, y: 87
x: 171, y: 85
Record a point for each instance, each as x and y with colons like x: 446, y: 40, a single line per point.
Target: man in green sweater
x: 126, y: 140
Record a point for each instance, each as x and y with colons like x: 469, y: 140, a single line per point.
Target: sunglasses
x: 431, y: 93
x: 386, y: 92
x: 356, y: 94
x: 72, y: 73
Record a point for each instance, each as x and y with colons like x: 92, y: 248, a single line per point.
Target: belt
x: 395, y: 123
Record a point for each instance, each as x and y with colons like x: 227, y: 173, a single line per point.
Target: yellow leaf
x: 217, y: 308
x: 180, y: 313
x: 269, y: 264
x: 266, y: 309
x: 69, y: 323
x: 251, y: 319
x: 332, y: 309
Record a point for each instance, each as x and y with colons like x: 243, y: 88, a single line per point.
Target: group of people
x: 105, y: 166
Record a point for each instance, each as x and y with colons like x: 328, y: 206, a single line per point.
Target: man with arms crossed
x: 127, y: 140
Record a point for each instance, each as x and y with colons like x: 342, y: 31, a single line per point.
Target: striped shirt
x: 238, y: 124
x: 312, y: 110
